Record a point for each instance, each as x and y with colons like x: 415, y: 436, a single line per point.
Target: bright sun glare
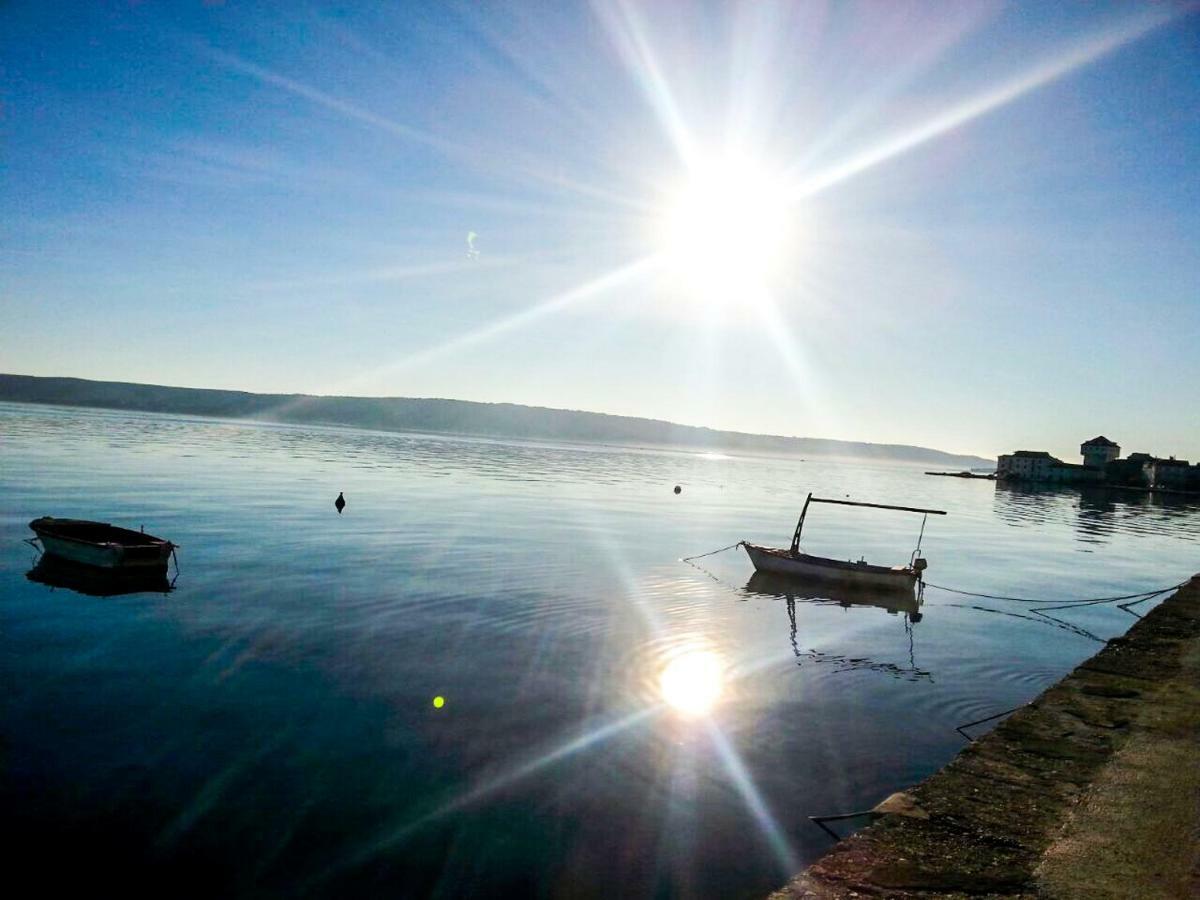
x: 692, y: 682
x: 726, y: 229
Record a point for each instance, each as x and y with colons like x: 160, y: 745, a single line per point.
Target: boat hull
x: 802, y: 565
x: 101, y: 545
x: 101, y: 557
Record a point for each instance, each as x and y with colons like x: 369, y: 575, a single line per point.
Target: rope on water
x: 712, y: 552
x: 960, y: 728
x: 1125, y: 606
x: 1143, y: 594
x: 1072, y: 604
x: 1039, y: 618
x: 820, y: 821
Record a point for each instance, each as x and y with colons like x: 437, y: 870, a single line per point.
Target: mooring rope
x: 1068, y: 603
x: 1073, y: 604
x: 820, y: 821
x: 960, y: 728
x: 1040, y: 619
x: 712, y: 552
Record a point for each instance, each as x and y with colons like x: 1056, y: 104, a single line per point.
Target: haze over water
x: 269, y: 726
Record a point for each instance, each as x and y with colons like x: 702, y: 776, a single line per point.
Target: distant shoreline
x: 541, y: 442
x: 450, y: 417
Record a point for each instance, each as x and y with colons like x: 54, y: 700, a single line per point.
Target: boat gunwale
x: 148, y: 541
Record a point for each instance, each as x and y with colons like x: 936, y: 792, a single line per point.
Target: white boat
x: 803, y: 565
x: 101, y: 545
x: 792, y: 562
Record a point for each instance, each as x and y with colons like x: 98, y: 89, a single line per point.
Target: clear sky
x: 973, y: 226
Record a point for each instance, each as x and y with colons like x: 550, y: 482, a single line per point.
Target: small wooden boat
x: 804, y: 565
x: 794, y: 563
x: 101, y: 545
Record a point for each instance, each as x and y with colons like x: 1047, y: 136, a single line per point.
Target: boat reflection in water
x: 60, y: 573
x: 901, y: 598
x: 897, y: 598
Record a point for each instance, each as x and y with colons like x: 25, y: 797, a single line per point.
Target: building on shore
x: 1136, y: 470
x: 1173, y: 473
x: 1101, y: 465
x: 1099, y: 452
x: 1024, y: 465
x: 1040, y: 466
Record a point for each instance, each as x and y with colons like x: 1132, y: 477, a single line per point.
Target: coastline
x: 1091, y: 790
x: 433, y: 415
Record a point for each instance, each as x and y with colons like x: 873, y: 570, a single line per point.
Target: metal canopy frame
x: 812, y: 499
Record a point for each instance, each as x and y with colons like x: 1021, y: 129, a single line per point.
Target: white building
x: 1038, y: 465
x: 1026, y: 465
x: 1098, y: 452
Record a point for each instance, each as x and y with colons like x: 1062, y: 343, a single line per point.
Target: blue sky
x: 971, y: 226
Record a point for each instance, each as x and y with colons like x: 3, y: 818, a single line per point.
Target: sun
x: 725, y: 229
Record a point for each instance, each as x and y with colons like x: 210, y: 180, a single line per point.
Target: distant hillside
x: 441, y: 416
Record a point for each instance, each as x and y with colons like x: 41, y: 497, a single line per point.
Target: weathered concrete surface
x: 1093, y: 790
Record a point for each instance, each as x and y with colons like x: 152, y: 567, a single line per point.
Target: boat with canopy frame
x: 792, y: 562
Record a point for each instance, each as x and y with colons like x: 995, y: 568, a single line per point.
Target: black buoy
x: 678, y: 489
x: 340, y: 503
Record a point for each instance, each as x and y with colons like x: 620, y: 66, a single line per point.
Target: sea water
x: 493, y: 675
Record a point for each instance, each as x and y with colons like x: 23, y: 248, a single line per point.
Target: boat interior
x: 94, y: 532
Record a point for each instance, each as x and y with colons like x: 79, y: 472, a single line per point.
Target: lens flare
x: 692, y: 682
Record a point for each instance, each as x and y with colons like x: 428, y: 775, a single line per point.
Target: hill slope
x: 440, y: 416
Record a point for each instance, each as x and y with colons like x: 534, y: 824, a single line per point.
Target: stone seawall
x: 1090, y: 791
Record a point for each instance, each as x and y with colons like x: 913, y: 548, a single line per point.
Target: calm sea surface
x: 269, y: 726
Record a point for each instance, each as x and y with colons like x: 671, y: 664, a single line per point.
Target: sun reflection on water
x: 692, y: 682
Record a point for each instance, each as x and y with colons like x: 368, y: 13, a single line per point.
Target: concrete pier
x: 1091, y: 791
